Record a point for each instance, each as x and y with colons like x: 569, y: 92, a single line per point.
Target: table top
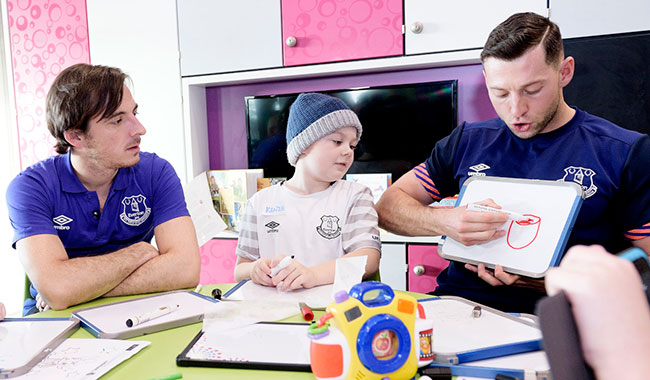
x: 159, y: 358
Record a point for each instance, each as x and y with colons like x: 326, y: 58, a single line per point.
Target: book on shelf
x: 268, y: 182
x: 230, y: 189
x: 377, y: 182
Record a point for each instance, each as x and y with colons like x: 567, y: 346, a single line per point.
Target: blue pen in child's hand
x: 281, y: 265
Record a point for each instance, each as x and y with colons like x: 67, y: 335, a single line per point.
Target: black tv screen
x: 401, y: 124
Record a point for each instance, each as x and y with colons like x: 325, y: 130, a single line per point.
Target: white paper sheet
x: 207, y: 221
x: 84, y: 359
x: 227, y: 315
x: 349, y: 272
x: 319, y: 296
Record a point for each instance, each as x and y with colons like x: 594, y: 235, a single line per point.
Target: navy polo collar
x: 70, y: 183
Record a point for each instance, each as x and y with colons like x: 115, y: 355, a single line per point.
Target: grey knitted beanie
x: 313, y: 116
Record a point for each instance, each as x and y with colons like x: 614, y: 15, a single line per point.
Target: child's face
x: 329, y: 158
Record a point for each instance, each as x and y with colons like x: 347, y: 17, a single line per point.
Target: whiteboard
x: 528, y: 248
x: 276, y: 346
x: 109, y: 321
x: 459, y: 336
x: 25, y: 341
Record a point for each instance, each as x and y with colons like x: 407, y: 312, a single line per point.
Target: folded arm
x: 177, y: 266
x: 63, y: 282
x: 138, y: 268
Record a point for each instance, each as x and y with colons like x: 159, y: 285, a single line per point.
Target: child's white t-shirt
x: 314, y: 228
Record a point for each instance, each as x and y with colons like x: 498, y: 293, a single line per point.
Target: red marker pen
x: 307, y: 314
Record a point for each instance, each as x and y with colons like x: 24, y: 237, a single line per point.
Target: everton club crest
x: 329, y: 227
x: 135, y: 210
x: 583, y: 177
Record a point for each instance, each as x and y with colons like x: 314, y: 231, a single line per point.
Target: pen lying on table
x: 142, y: 318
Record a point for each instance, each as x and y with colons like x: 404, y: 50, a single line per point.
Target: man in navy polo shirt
x: 536, y: 136
x: 84, y: 220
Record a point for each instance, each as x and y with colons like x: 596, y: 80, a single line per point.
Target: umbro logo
x: 477, y: 170
x: 272, y: 226
x: 61, y: 222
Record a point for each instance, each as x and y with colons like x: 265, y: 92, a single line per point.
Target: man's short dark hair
x: 521, y: 32
x: 80, y: 93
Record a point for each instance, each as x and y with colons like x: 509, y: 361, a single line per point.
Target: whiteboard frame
x: 47, y: 346
x: 166, y: 322
x: 555, y: 256
x: 479, y: 350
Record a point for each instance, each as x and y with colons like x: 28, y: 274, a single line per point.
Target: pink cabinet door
x: 316, y: 31
x: 424, y: 266
x: 218, y: 261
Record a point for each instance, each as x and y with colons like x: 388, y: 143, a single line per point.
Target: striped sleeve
x: 633, y: 207
x: 248, y: 244
x: 361, y: 227
x: 423, y: 176
x: 638, y: 233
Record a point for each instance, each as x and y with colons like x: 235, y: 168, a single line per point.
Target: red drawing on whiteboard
x: 522, y: 234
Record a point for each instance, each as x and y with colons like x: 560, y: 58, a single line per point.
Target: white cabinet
x: 140, y: 37
x: 580, y: 18
x: 436, y: 26
x: 392, y: 266
x: 224, y: 36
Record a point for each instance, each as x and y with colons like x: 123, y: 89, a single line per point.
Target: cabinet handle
x: 291, y: 41
x: 417, y: 27
x: 418, y: 270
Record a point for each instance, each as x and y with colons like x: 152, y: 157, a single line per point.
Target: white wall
x: 11, y: 272
x: 143, y: 42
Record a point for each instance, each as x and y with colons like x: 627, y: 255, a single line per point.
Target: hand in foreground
x: 260, y: 270
x: 41, y: 305
x: 475, y: 227
x: 294, y: 276
x: 610, y: 308
x: 3, y: 311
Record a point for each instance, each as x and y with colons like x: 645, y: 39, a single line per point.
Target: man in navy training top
x: 84, y: 219
x: 536, y: 136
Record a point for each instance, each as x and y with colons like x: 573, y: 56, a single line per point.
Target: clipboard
x: 26, y: 341
x: 109, y: 321
x: 530, y: 365
x: 529, y: 247
x: 264, y: 345
x: 459, y: 336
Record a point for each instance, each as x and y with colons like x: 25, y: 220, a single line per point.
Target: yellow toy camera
x: 375, y: 334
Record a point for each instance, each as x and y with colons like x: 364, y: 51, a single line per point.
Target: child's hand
x: 295, y: 276
x: 260, y: 272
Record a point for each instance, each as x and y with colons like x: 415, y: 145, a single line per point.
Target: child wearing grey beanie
x: 315, y: 217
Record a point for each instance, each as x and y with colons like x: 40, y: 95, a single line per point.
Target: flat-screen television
x: 401, y: 124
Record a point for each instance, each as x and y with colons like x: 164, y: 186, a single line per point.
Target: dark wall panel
x: 612, y: 78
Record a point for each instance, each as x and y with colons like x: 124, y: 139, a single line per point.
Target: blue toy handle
x: 633, y: 254
x: 384, y: 295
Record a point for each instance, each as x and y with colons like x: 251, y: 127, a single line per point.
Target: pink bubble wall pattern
x: 46, y: 36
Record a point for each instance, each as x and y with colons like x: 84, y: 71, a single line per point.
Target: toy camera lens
x: 384, y: 345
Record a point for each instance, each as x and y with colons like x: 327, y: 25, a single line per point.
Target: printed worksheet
x: 84, y: 359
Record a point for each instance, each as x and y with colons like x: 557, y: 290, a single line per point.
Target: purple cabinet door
x: 317, y: 31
